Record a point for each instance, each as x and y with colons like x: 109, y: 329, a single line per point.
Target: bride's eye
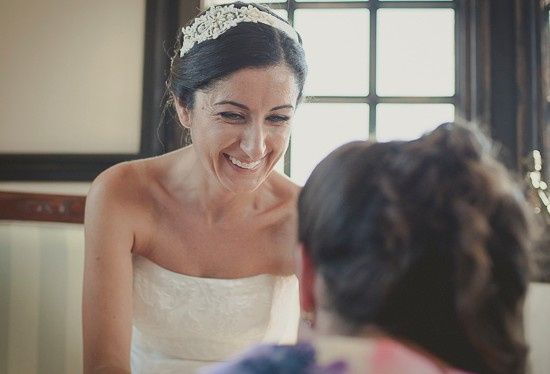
x: 278, y: 119
x: 232, y: 117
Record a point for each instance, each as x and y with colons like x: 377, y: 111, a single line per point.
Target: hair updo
x: 427, y: 240
x: 247, y: 45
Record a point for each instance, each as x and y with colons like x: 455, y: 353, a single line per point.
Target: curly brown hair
x: 427, y: 240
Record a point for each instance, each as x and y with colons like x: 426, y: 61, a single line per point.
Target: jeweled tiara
x: 218, y: 19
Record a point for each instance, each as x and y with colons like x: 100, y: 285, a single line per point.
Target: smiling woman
x: 189, y: 256
x: 241, y: 125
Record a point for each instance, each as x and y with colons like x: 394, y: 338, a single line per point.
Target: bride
x: 189, y: 255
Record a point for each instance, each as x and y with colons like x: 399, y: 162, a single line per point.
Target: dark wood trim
x: 161, y: 22
x: 473, y: 73
x: 480, y: 46
x: 513, y: 84
x: 171, y: 134
x: 544, y: 41
x: 373, y: 70
x: 162, y: 26
x: 503, y: 83
x: 506, y: 67
x: 463, y: 72
x: 528, y: 72
x: 41, y: 207
x: 50, y: 167
x: 542, y: 76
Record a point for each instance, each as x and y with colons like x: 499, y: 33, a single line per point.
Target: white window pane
x: 416, y: 52
x: 409, y: 121
x: 332, y: 1
x: 320, y: 128
x: 336, y: 42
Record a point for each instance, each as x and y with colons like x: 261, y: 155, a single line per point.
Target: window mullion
x: 372, y: 68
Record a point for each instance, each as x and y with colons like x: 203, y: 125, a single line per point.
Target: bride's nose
x: 253, y: 141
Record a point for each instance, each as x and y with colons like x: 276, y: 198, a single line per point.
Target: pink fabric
x: 391, y: 357
x: 378, y: 356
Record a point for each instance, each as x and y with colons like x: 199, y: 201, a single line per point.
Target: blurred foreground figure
x: 414, y: 260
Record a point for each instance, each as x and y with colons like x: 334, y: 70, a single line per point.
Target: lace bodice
x: 181, y: 323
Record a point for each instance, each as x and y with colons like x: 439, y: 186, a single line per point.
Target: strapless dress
x: 182, y: 323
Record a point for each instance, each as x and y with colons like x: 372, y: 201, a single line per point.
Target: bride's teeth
x: 243, y: 164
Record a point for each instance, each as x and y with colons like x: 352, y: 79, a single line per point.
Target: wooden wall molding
x: 20, y: 206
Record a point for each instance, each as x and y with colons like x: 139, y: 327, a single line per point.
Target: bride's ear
x: 183, y: 112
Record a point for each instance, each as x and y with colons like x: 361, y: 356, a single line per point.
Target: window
x: 378, y: 69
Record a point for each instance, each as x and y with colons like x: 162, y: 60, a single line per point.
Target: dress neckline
x: 207, y: 279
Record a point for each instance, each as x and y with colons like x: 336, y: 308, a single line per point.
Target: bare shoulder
x: 125, y: 197
x: 117, y: 205
x: 117, y: 186
x: 131, y: 182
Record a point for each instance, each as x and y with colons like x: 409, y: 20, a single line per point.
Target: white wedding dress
x: 182, y: 323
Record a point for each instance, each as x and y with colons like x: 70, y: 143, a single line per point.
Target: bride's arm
x: 107, y: 292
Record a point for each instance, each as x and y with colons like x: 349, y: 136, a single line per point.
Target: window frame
x: 462, y: 99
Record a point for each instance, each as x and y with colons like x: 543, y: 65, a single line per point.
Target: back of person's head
x: 426, y: 240
x: 244, y: 45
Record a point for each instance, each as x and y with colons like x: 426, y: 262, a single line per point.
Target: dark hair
x: 247, y: 45
x: 427, y: 240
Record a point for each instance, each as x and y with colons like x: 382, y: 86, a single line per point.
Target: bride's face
x: 240, y: 126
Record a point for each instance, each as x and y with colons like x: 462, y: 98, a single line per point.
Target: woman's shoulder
x: 121, y: 200
x: 132, y: 179
x: 125, y: 189
x: 118, y: 183
x: 283, y: 186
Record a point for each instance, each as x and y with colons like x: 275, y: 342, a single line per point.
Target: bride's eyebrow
x: 232, y: 103
x: 283, y: 107
x: 223, y: 102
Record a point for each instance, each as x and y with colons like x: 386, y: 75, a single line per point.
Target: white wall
x: 537, y: 318
x: 70, y: 82
x: 41, y: 267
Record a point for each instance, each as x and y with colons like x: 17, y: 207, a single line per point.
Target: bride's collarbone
x: 217, y: 259
x: 243, y: 250
x: 244, y: 222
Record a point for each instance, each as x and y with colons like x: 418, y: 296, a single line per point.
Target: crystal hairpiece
x: 218, y: 19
